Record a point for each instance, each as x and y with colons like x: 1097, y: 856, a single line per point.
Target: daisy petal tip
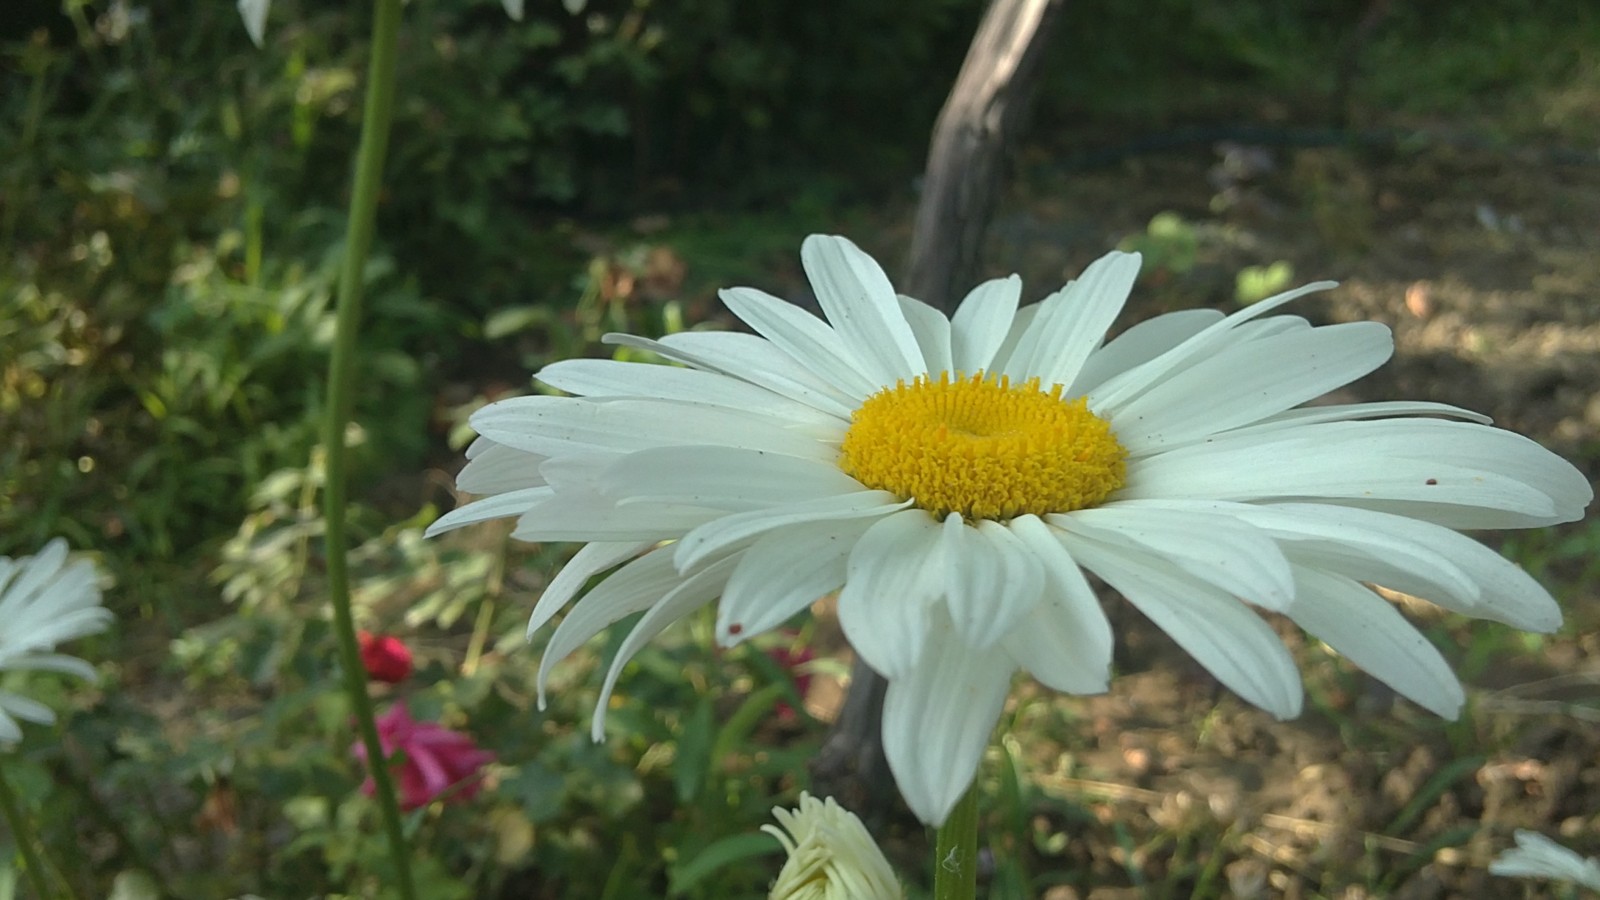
x: 1541, y: 618
x: 1289, y: 706
x: 930, y: 803
x: 815, y: 242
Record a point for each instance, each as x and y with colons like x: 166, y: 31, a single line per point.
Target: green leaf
x: 694, y: 757
x: 719, y: 855
x: 1256, y: 283
x: 743, y: 721
x: 538, y: 789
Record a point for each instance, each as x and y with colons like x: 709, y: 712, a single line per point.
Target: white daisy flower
x: 831, y: 855
x: 1536, y: 856
x: 952, y: 478
x: 42, y: 603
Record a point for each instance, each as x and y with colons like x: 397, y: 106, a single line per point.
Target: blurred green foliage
x: 171, y: 217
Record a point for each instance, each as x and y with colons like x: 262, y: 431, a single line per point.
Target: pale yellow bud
x: 831, y: 855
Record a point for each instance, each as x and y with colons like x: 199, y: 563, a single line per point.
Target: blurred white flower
x: 954, y: 477
x: 254, y: 13
x: 42, y: 603
x: 831, y: 855
x: 1536, y: 856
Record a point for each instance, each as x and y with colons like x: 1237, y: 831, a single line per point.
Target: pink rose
x: 384, y: 657
x: 436, y: 759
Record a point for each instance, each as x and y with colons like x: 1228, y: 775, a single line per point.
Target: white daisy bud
x: 831, y: 855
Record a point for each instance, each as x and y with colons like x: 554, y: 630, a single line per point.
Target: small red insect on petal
x: 735, y: 628
x: 1432, y: 481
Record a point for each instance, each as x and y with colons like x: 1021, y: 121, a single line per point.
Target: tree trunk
x: 975, y: 131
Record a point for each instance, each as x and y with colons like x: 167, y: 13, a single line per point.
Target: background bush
x: 171, y: 216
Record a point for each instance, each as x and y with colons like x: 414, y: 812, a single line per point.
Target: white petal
x: 1231, y: 555
x: 632, y: 588
x: 1246, y: 382
x: 55, y: 662
x: 1539, y: 857
x: 1452, y: 473
x: 1368, y: 546
x: 1021, y: 324
x: 1344, y: 412
x: 782, y: 573
x: 499, y: 506
x: 583, y: 515
x: 992, y: 579
x: 496, y: 469
x: 1122, y: 388
x: 1495, y: 588
x: 937, y: 718
x: 1073, y: 321
x: 893, y: 577
x: 1141, y: 343
x: 725, y: 478
x: 588, y: 562
x: 725, y: 531
x: 748, y: 358
x: 932, y: 331
x: 43, y: 626
x: 254, y: 14
x: 1065, y: 642
x: 981, y: 324
x: 862, y: 306
x: 1267, y: 328
x: 803, y: 336
x: 612, y: 379
x: 1370, y: 632
x: 513, y: 9
x: 559, y: 426
x: 1507, y: 593
x: 1221, y: 633
x: 696, y: 591
x: 578, y: 472
x: 26, y: 709
x: 34, y: 574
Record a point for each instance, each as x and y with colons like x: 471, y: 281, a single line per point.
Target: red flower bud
x: 385, y: 658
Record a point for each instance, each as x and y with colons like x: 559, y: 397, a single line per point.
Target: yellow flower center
x: 983, y: 448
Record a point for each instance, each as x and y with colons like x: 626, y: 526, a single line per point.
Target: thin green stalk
x: 358, y: 239
x: 955, y: 862
x: 32, y: 859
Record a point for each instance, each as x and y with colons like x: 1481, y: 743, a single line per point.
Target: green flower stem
x: 32, y: 859
x: 358, y: 239
x: 955, y: 863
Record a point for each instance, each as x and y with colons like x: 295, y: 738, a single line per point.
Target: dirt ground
x: 1487, y: 267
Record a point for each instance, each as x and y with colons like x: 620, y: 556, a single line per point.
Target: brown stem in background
x: 974, y: 134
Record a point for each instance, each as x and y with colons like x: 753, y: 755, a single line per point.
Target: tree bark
x: 975, y: 132
x: 972, y: 137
